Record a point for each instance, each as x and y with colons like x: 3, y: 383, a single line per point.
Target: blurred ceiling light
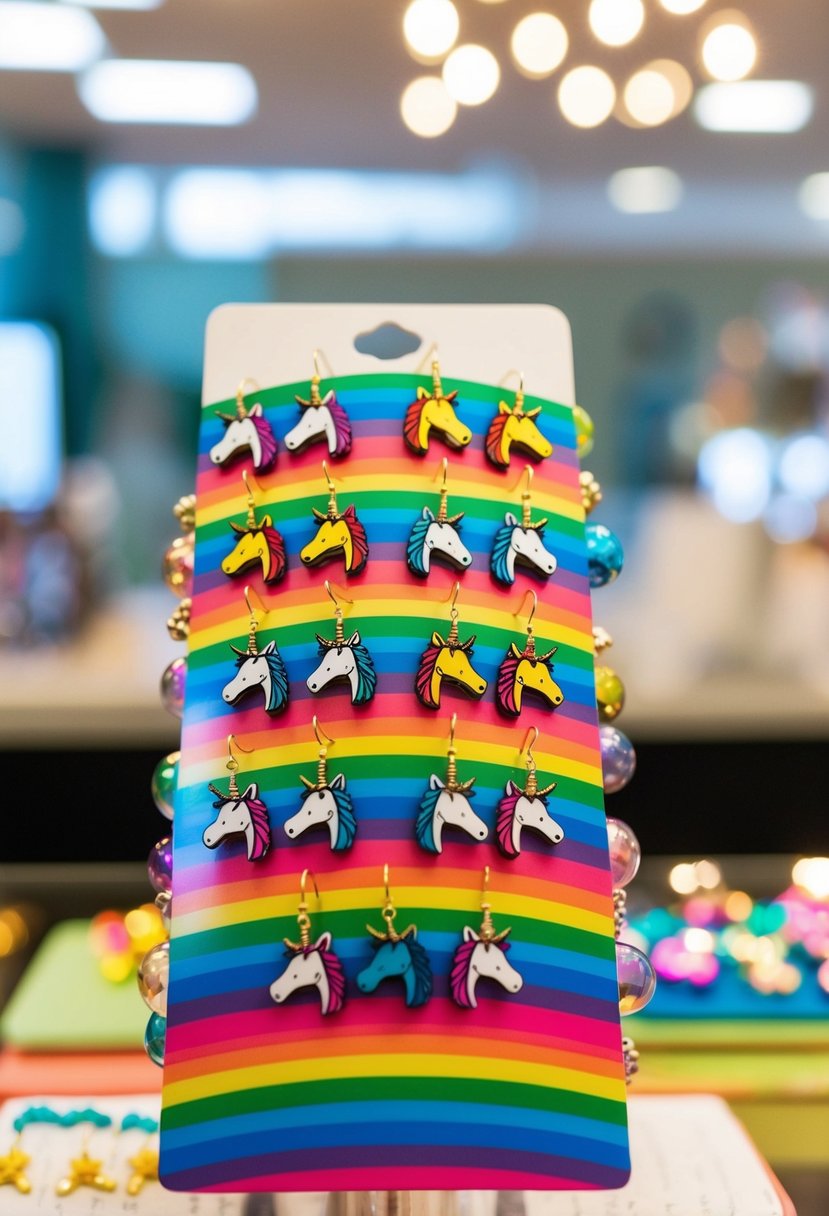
x: 132, y: 4
x: 169, y: 91
x: 803, y: 470
x: 645, y: 190
x: 811, y: 874
x: 681, y: 7
x: 789, y: 519
x: 430, y: 27
x: 813, y: 196
x: 249, y: 214
x: 735, y: 469
x: 122, y: 210
x: 48, y: 37
x: 616, y: 22
x: 586, y: 96
x: 729, y: 48
x: 471, y: 74
x: 649, y: 97
x: 768, y: 107
x: 539, y: 43
x: 681, y: 84
x: 12, y: 226
x: 426, y: 107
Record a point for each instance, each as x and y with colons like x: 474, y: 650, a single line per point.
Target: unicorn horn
x: 531, y: 788
x: 241, y: 408
x: 437, y: 387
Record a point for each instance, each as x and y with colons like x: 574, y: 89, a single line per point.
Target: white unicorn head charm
x: 481, y: 956
x: 240, y: 814
x: 311, y: 964
x: 246, y: 432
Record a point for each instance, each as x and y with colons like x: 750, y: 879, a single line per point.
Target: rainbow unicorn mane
x: 411, y: 423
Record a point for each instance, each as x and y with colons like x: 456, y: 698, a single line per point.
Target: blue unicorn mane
x: 422, y: 971
x: 424, y: 830
x: 366, y: 675
x: 498, y: 557
x: 279, y: 680
x: 414, y: 546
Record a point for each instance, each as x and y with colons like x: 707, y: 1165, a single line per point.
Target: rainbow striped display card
x: 440, y: 1074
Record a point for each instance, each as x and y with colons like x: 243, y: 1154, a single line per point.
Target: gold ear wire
x: 241, y: 409
x: 327, y: 741
x: 520, y: 611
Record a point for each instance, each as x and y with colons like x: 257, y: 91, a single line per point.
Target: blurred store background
x: 657, y: 169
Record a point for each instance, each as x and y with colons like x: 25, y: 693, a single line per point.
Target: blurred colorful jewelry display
x: 144, y: 1162
x: 636, y: 976
x: 154, y: 969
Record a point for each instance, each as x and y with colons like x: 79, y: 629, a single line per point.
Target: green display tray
x: 62, y: 1002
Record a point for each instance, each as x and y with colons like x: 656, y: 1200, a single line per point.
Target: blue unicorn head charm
x: 325, y: 804
x: 256, y: 669
x: 437, y: 538
x: 343, y: 660
x: 397, y: 956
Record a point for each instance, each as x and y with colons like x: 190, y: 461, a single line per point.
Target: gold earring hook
x: 445, y: 469
x: 527, y: 747
x: 386, y: 881
x: 452, y: 724
x: 303, y: 881
x: 454, y: 596
x: 262, y: 609
x: 431, y: 353
x: 327, y: 741
x: 334, y: 599
x: 232, y: 762
x: 241, y: 411
x: 520, y: 611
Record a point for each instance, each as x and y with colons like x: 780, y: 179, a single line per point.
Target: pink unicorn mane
x: 423, y: 680
x: 276, y: 552
x: 504, y: 820
x: 342, y: 427
x: 261, y: 828
x: 267, y: 440
x: 358, y: 537
x: 411, y: 424
x: 505, y: 691
x: 460, y: 973
x: 336, y: 980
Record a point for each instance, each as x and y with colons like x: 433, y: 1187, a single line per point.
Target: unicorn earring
x: 434, y: 412
x: 322, y: 420
x: 338, y: 535
x: 310, y: 964
x: 524, y: 671
x: 258, y: 544
x: 239, y: 814
x: 397, y: 956
x: 342, y: 659
x: 525, y: 808
x: 513, y: 427
x: 521, y: 544
x: 325, y: 803
x: 437, y: 538
x: 482, y: 955
x: 246, y: 431
x: 446, y: 804
x: 450, y: 660
x: 263, y: 670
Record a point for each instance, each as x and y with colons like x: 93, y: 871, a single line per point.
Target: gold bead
x: 178, y: 625
x: 185, y: 512
x: 591, y: 491
x: 610, y: 694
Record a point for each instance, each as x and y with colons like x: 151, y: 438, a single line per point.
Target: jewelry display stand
x: 385, y: 1093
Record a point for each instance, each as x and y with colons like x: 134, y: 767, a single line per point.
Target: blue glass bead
x: 155, y: 1037
x: 605, y: 556
x: 163, y: 785
x: 618, y: 758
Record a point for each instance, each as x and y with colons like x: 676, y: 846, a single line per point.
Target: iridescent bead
x: 164, y: 903
x: 154, y: 977
x: 625, y: 853
x: 584, y: 431
x: 618, y: 759
x: 610, y: 694
x: 160, y: 865
x: 637, y: 979
x: 605, y: 556
x: 172, y: 686
x: 163, y: 784
x: 177, y: 565
x: 154, y: 1038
